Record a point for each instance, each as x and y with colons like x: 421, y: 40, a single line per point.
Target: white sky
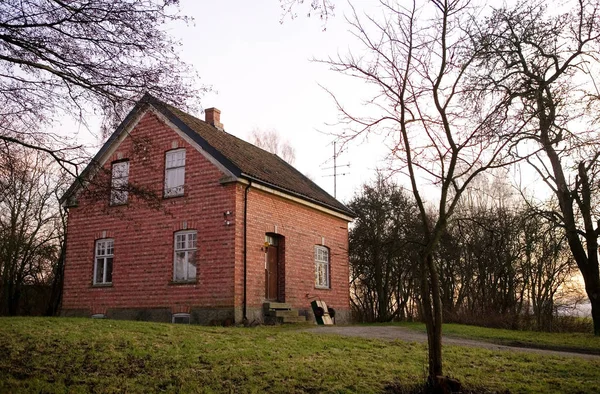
x: 263, y: 78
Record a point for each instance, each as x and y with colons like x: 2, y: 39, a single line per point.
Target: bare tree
x: 415, y: 56
x: 30, y: 224
x: 548, y: 63
x: 79, y: 58
x: 271, y: 141
x: 323, y: 8
x: 547, y: 265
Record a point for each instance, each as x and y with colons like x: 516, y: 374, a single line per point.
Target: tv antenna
x: 335, y: 168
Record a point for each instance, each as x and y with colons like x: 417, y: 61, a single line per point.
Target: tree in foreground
x: 547, y: 62
x: 83, y: 58
x: 415, y: 57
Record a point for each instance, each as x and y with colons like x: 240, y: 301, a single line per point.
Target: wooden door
x: 271, y: 289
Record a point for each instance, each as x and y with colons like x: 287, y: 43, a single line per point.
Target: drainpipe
x: 245, y: 319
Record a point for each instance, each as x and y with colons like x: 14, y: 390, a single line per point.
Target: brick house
x: 234, y: 227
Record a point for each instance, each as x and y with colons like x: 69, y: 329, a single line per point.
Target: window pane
x: 179, y: 266
x: 175, y: 158
x: 110, y: 247
x: 109, y: 264
x: 174, y: 181
x: 170, y: 179
x: 179, y: 241
x: 179, y: 158
x: 179, y: 174
x: 319, y: 275
x: 100, y: 270
x: 191, y: 240
x: 191, y: 265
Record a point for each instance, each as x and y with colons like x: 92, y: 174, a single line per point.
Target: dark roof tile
x: 255, y: 162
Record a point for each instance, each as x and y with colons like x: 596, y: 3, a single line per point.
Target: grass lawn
x: 82, y: 355
x: 586, y: 343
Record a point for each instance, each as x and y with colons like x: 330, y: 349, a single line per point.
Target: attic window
x: 174, y: 173
x: 119, y: 182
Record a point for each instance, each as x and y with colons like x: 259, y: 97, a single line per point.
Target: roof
x: 241, y: 158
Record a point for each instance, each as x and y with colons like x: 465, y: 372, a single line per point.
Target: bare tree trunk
x: 57, y: 283
x: 432, y: 306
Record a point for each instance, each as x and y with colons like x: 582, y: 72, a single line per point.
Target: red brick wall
x: 303, y: 228
x: 143, y: 239
x: 143, y: 236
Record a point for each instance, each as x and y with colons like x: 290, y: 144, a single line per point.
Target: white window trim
x: 104, y: 258
x: 179, y: 189
x: 181, y: 315
x: 187, y: 250
x: 118, y: 185
x: 327, y: 267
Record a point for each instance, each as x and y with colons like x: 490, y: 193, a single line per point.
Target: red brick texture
x: 302, y: 228
x: 142, y: 277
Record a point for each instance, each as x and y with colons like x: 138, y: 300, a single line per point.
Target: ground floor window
x: 184, y: 266
x: 321, y: 267
x: 103, y: 262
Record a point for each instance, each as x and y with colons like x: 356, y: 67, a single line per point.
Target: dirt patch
x: 391, y: 333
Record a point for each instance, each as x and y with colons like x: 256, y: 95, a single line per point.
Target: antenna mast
x: 335, y: 168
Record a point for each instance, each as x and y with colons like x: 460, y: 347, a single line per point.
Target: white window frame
x: 321, y: 262
x: 176, y: 317
x: 173, y: 167
x: 104, y: 249
x: 189, y: 248
x: 118, y: 182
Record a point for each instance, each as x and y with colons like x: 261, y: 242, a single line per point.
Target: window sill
x: 322, y: 288
x: 114, y: 204
x: 170, y: 196
x: 182, y: 282
x: 102, y: 284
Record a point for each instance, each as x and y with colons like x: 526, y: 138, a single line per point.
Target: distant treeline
x: 501, y: 262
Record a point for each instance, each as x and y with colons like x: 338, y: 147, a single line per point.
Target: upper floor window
x: 184, y: 265
x: 321, y: 267
x: 103, y: 262
x: 119, y: 182
x: 174, y: 172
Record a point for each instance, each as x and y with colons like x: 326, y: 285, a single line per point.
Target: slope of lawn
x: 579, y: 342
x: 83, y: 355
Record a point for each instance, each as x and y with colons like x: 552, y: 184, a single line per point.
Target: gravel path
x: 404, y: 334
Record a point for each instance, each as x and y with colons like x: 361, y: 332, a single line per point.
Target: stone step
x: 276, y: 306
x: 294, y: 319
x: 282, y: 313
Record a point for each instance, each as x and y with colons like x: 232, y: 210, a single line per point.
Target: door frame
x: 277, y: 241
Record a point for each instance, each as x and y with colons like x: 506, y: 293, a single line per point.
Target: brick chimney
x: 212, y: 116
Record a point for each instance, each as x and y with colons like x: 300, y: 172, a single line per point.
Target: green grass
x: 83, y: 355
x: 586, y: 343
